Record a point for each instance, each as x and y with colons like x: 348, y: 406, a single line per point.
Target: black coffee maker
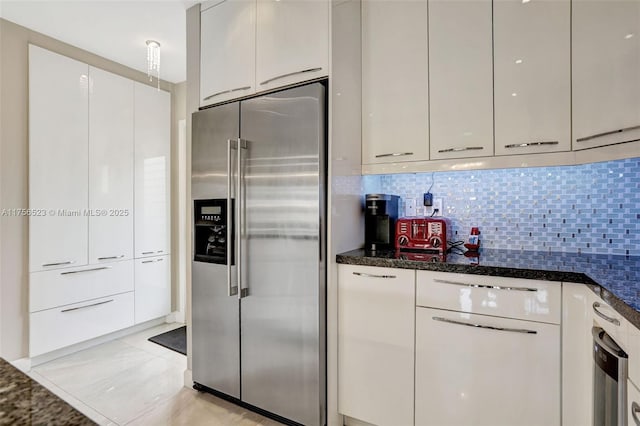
x: 381, y: 213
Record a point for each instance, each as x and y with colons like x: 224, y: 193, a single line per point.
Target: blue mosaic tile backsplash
x: 593, y: 208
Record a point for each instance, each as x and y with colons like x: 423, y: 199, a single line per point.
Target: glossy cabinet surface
x: 395, y: 82
x: 633, y: 349
x: 577, y: 354
x: 227, y: 45
x: 530, y: 300
x: 49, y: 289
x: 58, y: 160
x: 497, y: 372
x: 605, y: 70
x: 292, y: 42
x: 153, y: 288
x: 110, y: 167
x: 633, y: 404
x: 532, y: 76
x: 460, y: 78
x: 66, y: 325
x: 152, y: 192
x: 376, y: 308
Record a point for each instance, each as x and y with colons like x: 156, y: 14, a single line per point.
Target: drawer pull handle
x: 111, y: 257
x: 462, y: 148
x: 85, y: 270
x: 612, y: 132
x: 290, y: 74
x: 394, y: 154
x: 226, y: 91
x: 160, y: 251
x: 68, y: 262
x: 151, y: 261
x: 488, y: 327
x: 527, y: 144
x: 87, y: 306
x: 362, y: 274
x: 494, y: 287
x: 147, y: 252
x: 635, y: 409
x: 613, y: 321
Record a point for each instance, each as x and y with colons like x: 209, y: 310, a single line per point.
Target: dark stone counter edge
x: 628, y: 312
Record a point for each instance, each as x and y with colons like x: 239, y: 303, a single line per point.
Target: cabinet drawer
x: 633, y: 350
x: 153, y: 288
x: 498, y: 296
x: 60, y: 287
x: 609, y: 320
x: 59, y: 327
x: 633, y: 404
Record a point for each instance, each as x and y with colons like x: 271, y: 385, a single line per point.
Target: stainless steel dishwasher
x: 609, y: 381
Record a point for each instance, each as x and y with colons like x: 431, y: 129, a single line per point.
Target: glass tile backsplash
x: 593, y: 208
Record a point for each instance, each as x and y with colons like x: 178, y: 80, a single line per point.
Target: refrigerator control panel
x: 213, y: 239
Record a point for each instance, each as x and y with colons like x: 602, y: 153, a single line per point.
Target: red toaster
x: 427, y: 233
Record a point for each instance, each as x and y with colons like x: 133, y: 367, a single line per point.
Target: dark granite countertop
x: 616, y: 279
x: 25, y: 402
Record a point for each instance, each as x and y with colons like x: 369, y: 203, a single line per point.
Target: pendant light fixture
x: 153, y: 60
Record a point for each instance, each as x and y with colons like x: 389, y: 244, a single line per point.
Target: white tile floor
x: 133, y: 381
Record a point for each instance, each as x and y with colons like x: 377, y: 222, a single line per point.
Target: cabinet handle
x: 87, y: 306
x: 111, y: 257
x: 147, y: 252
x: 85, y: 270
x: 487, y: 327
x: 494, y: 287
x: 612, y: 132
x: 226, y: 91
x: 635, y: 409
x: 151, y: 261
x: 362, y: 274
x: 613, y: 321
x: 160, y: 251
x: 527, y: 144
x: 290, y: 74
x: 69, y: 262
x: 394, y: 154
x: 463, y: 148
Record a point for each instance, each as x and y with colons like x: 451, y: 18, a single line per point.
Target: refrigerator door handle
x: 231, y: 289
x: 242, y: 292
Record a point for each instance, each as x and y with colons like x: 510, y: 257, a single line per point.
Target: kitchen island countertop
x: 615, y: 278
x: 25, y: 402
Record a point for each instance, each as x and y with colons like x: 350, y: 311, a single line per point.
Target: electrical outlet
x: 410, y: 207
x: 438, y: 207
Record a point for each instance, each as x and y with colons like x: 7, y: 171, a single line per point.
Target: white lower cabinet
x: 153, y: 288
x: 66, y: 325
x: 633, y: 404
x: 376, y: 308
x: 484, y: 370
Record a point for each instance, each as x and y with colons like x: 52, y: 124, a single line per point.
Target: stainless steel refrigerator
x: 259, y: 273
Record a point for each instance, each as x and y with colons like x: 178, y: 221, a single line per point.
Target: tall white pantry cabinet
x: 99, y: 196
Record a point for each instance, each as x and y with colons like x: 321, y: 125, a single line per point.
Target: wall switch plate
x: 437, y: 205
x: 410, y: 207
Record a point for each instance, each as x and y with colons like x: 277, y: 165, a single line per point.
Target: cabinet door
x: 227, y: 51
x: 292, y: 42
x: 532, y: 76
x: 58, y: 127
x: 460, y: 78
x: 152, y: 171
x: 376, y: 313
x: 577, y: 355
x: 605, y: 70
x: 633, y: 404
x: 483, y: 370
x: 110, y: 167
x: 395, y: 83
x: 152, y: 288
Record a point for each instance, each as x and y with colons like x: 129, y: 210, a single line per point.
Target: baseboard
x: 22, y: 364
x: 188, y: 379
x: 68, y: 350
x: 175, y: 316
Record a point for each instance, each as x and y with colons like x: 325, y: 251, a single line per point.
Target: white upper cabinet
x: 395, y: 82
x: 292, y: 42
x: 58, y: 128
x: 532, y: 76
x: 605, y: 72
x: 460, y: 78
x: 152, y: 171
x: 228, y: 51
x: 110, y: 167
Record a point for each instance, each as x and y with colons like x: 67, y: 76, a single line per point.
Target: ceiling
x: 114, y: 29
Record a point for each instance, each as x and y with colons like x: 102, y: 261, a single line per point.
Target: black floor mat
x: 176, y: 340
